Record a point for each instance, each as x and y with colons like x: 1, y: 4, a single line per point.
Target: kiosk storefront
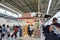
x: 25, y: 21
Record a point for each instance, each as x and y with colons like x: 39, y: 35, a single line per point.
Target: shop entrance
x: 25, y: 23
x: 26, y: 20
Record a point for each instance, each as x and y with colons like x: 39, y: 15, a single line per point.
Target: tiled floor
x: 32, y: 38
x: 26, y: 38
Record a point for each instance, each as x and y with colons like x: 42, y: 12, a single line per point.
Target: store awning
x: 27, y: 18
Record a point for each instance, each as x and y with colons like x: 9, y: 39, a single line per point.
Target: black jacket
x: 0, y: 30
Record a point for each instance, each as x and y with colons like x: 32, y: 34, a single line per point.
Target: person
x: 4, y: 30
x: 50, y: 35
x: 20, y: 31
x: 15, y: 32
x: 55, y: 25
x: 30, y: 29
x: 53, y: 32
x: 8, y: 30
x: 55, y: 22
x: 46, y: 29
x: 0, y: 32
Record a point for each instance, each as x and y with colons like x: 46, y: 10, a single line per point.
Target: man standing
x: 4, y: 30
x: 53, y: 30
x: 55, y: 25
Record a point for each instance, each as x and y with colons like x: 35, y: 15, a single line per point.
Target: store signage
x: 26, y: 15
x: 43, y: 15
x: 30, y: 21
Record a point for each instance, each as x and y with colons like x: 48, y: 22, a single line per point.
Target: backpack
x: 46, y: 29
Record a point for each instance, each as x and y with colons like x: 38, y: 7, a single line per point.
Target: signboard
x: 26, y: 15
x: 29, y: 21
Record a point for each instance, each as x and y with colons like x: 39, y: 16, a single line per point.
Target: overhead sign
x: 43, y: 15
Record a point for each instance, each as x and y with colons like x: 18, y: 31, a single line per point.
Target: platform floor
x: 25, y: 38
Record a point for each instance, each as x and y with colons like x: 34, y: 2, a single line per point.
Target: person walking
x: 8, y: 32
x: 0, y: 32
x: 4, y: 31
x: 15, y: 32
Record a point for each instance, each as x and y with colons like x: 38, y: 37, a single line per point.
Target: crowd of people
x: 16, y: 31
x: 6, y: 30
x: 51, y: 32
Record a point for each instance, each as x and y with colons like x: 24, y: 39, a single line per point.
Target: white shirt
x: 8, y: 29
x: 31, y: 27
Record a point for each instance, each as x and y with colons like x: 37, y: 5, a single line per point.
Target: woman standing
x: 8, y: 30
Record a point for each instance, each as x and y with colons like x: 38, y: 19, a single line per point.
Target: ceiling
x: 32, y: 5
x: 27, y: 5
x: 24, y: 5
